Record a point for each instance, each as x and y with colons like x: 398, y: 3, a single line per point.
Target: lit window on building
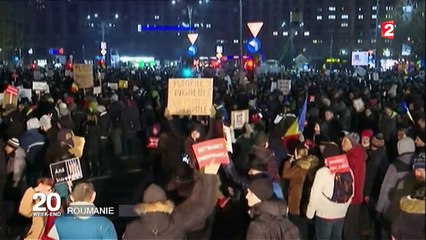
x: 296, y: 33
x: 389, y: 8
x: 307, y: 33
x: 235, y: 41
x: 360, y: 9
x: 344, y: 24
x: 285, y: 33
x: 208, y: 25
x: 345, y: 16
x: 196, y: 25
x: 319, y: 17
x: 156, y: 17
x: 275, y: 33
x: 373, y: 40
x: 360, y: 16
x: 319, y: 9
x: 332, y: 9
x: 373, y: 16
x: 359, y: 41
x: 314, y: 41
x: 331, y: 16
x: 374, y: 8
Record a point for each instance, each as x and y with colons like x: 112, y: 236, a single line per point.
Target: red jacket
x: 356, y: 158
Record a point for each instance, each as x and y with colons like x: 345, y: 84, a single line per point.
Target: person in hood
x: 160, y: 218
x: 297, y: 170
x: 366, y: 136
x: 410, y: 223
x: 396, y: 171
x: 79, y: 226
x: 269, y: 216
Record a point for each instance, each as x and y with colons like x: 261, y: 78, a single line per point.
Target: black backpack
x: 343, y: 187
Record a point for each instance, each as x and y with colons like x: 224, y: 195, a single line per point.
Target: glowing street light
x: 88, y: 17
x: 116, y: 16
x: 173, y: 2
x: 96, y: 15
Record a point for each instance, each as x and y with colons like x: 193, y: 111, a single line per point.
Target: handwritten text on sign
x: 190, y: 96
x: 211, y: 151
x: 67, y: 170
x: 83, y: 75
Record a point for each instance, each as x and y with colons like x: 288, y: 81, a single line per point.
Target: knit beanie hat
x: 378, y: 141
x: 13, y: 142
x: 65, y: 136
x: 262, y: 188
x: 367, y: 133
x: 419, y: 161
x: 353, y: 138
x: 406, y: 145
x: 33, y: 123
x: 154, y: 193
x: 45, y: 122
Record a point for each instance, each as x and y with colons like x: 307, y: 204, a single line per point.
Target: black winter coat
x: 162, y: 220
x: 270, y: 222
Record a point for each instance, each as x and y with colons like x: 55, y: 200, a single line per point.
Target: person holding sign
x: 195, y: 136
x: 161, y: 219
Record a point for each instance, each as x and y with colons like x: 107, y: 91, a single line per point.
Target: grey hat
x: 13, y: 142
x: 406, y: 145
x: 353, y: 138
x: 45, y: 122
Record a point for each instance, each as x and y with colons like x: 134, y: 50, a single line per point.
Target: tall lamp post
x: 103, y: 24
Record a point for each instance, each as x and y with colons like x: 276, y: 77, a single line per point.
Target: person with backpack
x: 331, y: 194
x: 357, y: 158
x: 269, y: 216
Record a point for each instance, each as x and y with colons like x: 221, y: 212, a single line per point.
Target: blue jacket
x: 95, y: 227
x: 32, y: 142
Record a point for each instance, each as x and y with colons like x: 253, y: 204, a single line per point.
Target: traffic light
x: 101, y: 63
x: 249, y: 65
x: 68, y: 66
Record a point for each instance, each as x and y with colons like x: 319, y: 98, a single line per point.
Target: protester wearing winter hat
x: 330, y: 215
x: 377, y: 165
x: 396, y: 171
x: 420, y: 140
x: 409, y: 201
x: 269, y: 217
x: 160, y: 218
x: 357, y: 160
x: 32, y: 141
x: 15, y: 169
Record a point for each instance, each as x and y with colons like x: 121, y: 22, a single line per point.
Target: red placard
x: 11, y: 90
x: 387, y: 29
x: 211, y: 151
x: 338, y: 163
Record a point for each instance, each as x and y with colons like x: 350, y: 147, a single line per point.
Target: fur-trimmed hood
x: 157, y: 207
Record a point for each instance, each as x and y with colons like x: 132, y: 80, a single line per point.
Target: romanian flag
x: 296, y: 128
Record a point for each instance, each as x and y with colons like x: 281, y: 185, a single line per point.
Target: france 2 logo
x: 388, y: 29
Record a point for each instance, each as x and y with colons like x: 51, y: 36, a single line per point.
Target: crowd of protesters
x: 352, y: 172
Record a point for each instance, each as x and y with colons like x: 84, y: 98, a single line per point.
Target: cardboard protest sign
x: 10, y: 96
x: 230, y: 139
x: 284, y: 86
x: 97, y: 90
x: 41, y: 86
x: 238, y: 118
x: 67, y: 170
x: 190, y: 96
x: 77, y: 149
x: 83, y: 75
x: 211, y: 151
x: 358, y: 104
x: 113, y: 86
x: 123, y: 84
